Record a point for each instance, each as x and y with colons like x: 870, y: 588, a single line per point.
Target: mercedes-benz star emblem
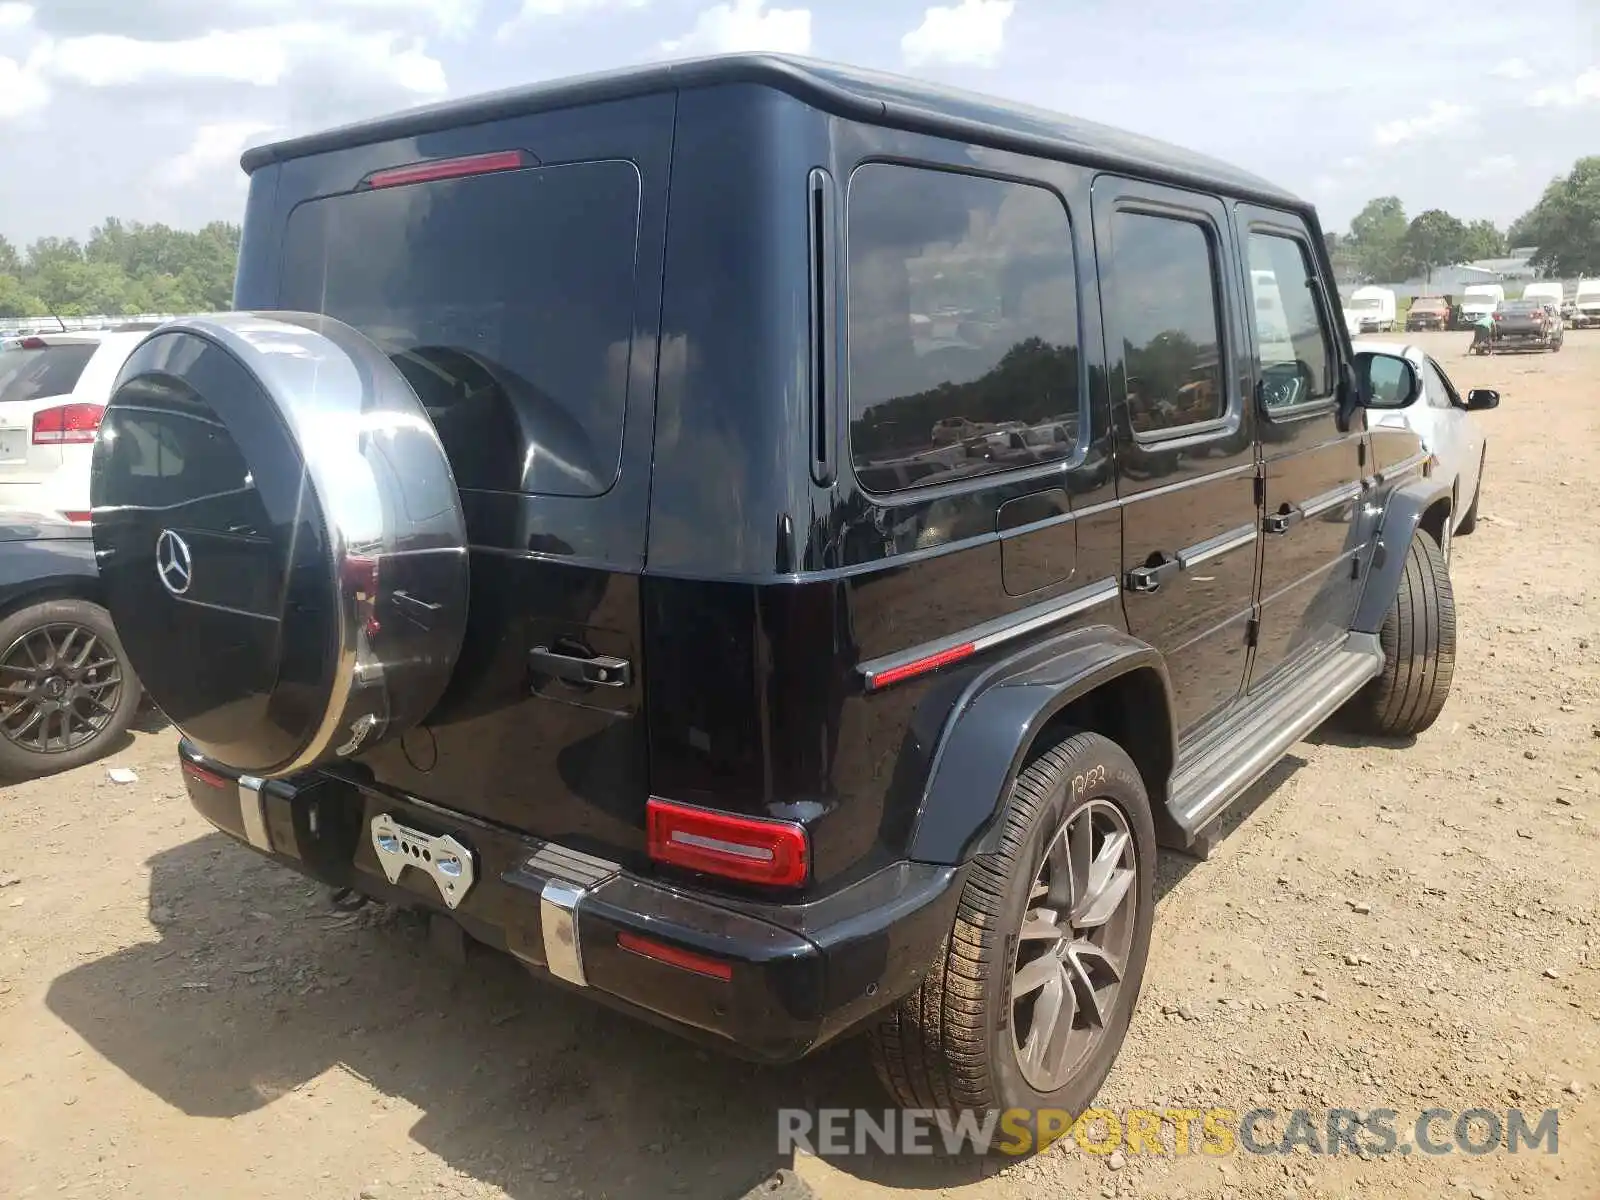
x: 173, y: 562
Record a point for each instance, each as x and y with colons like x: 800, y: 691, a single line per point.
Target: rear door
x: 514, y: 276
x: 1186, y: 448
x: 1311, y: 471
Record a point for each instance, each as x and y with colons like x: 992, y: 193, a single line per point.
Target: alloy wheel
x: 60, y: 685
x: 1074, y: 943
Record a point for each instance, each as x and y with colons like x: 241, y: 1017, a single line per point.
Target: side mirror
x: 1387, y: 380
x: 1481, y: 398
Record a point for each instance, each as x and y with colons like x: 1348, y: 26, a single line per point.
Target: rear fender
x: 1419, y: 504
x: 991, y: 728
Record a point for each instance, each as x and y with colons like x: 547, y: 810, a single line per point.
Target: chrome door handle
x: 601, y: 670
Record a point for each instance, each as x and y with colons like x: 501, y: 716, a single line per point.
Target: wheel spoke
x: 1053, y: 997
x: 1035, y: 975
x: 1041, y: 924
x: 62, y: 651
x: 99, y: 664
x: 83, y: 657
x: 1095, y: 960
x: 1059, y: 860
x: 1083, y: 988
x: 1109, y: 882
x: 1080, y: 842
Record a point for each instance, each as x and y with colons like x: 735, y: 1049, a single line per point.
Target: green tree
x: 1435, y: 239
x: 16, y: 300
x: 1378, y: 239
x: 1565, y: 224
x: 1483, y: 240
x: 10, y: 260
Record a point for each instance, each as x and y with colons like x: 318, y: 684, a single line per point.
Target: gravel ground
x: 1386, y: 926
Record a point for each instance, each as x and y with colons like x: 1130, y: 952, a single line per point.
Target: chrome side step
x: 1218, y: 769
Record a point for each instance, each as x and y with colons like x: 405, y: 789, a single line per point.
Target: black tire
x: 949, y: 1044
x: 18, y: 760
x: 1469, y: 519
x: 1419, y: 649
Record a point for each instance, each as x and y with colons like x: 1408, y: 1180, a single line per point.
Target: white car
x: 1439, y: 416
x: 53, y: 392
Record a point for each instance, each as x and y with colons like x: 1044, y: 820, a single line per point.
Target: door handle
x: 598, y: 670
x: 1282, y: 522
x: 1148, y: 578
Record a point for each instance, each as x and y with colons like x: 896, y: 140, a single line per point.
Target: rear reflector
x: 675, y: 956
x: 749, y: 849
x: 450, y: 168
x: 67, y: 424
x: 209, y: 778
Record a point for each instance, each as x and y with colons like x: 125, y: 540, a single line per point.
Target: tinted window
x: 35, y: 374
x: 507, y: 301
x: 1161, y: 283
x: 1292, y: 345
x: 963, y: 325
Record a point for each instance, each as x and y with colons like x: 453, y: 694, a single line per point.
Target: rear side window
x: 36, y: 374
x: 506, y: 300
x: 963, y: 327
x: 1162, y: 287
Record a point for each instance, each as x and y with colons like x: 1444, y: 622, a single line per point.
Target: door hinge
x: 1355, y: 566
x: 1252, y: 631
x: 1261, y: 491
x: 1361, y: 453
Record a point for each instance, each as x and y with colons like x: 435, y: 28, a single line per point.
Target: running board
x: 1227, y: 760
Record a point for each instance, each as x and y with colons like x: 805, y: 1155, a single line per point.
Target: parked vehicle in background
x: 1546, y: 291
x: 1478, y: 300
x: 1428, y: 312
x: 1439, y: 416
x: 1525, y: 325
x: 67, y: 693
x: 1374, y: 308
x: 1586, y: 304
x: 909, y: 741
x: 53, y: 390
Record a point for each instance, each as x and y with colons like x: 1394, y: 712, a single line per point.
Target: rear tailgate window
x: 33, y: 374
x: 507, y: 301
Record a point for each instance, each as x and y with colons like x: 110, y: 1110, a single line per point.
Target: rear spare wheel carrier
x: 279, y: 537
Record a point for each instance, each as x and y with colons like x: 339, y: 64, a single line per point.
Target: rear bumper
x: 784, y: 978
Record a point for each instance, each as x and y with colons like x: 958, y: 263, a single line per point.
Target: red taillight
x: 66, y: 424
x: 920, y: 666
x: 450, y: 168
x: 749, y: 849
x: 33, y: 343
x: 209, y: 778
x: 81, y: 518
x: 676, y: 956
x: 1498, y: 316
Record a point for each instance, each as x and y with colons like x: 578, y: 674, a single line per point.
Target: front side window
x: 1293, y: 351
x: 1161, y: 284
x: 963, y: 327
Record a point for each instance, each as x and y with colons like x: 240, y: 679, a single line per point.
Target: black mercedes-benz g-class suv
x: 568, y: 536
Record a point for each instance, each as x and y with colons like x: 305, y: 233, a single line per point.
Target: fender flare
x: 1402, y: 515
x: 992, y: 725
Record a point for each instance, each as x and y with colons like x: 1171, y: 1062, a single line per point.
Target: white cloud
x: 1585, y: 89
x: 1441, y: 116
x: 215, y: 149
x: 533, y: 11
x: 263, y: 57
x: 745, y: 25
x: 971, y: 33
x: 1513, y: 68
x: 1493, y: 166
x: 15, y: 16
x: 22, y: 89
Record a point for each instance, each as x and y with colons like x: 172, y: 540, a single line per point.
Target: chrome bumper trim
x: 253, y: 813
x: 569, y: 876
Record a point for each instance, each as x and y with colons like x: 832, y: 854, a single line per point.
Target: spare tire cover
x: 279, y: 538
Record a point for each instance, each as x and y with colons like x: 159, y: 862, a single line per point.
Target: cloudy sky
x: 139, y: 108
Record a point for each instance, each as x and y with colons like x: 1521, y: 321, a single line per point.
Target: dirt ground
x: 1387, y: 926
